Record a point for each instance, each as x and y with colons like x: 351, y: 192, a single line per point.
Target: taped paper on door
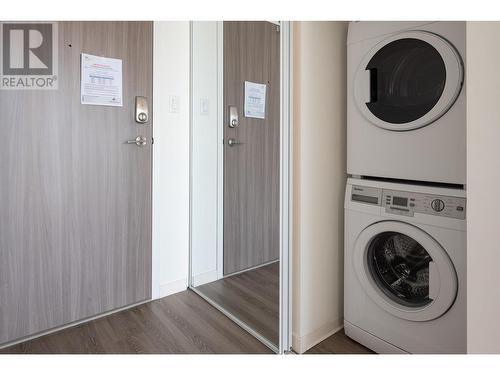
x: 255, y: 100
x: 101, y: 81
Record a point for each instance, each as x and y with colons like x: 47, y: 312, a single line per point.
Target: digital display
x: 399, y: 201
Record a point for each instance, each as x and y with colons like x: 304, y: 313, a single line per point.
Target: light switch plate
x: 174, y: 104
x: 204, y: 106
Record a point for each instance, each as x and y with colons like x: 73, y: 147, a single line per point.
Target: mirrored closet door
x: 238, y: 186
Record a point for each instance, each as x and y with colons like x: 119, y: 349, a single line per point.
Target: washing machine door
x: 408, y: 81
x: 405, y: 271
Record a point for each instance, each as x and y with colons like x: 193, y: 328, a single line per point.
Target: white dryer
x: 405, y: 267
x: 406, y: 108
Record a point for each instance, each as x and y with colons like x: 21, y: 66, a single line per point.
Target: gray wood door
x: 75, y: 216
x: 251, y: 169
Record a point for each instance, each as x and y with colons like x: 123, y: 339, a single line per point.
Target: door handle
x: 434, y: 282
x: 138, y: 141
x: 373, y: 85
x: 233, y: 142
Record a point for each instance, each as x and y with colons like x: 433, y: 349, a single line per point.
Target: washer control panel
x: 407, y: 203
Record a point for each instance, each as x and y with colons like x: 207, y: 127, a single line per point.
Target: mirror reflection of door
x: 248, y: 286
x: 251, y: 166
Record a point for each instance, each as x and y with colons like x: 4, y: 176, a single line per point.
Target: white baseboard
x: 173, y: 287
x: 205, y: 278
x: 301, y: 344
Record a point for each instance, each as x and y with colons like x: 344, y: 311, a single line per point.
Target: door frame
x: 286, y: 186
x: 286, y: 178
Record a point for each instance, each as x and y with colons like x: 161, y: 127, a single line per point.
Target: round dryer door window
x: 405, y: 271
x: 408, y: 81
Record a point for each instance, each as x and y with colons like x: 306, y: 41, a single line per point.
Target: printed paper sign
x: 101, y: 81
x: 255, y: 100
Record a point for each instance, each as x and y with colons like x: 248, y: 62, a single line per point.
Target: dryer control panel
x: 407, y: 203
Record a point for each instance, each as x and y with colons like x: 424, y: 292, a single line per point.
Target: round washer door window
x: 405, y: 271
x: 408, y: 81
x: 400, y: 267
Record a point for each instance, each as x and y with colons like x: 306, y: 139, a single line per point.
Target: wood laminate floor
x: 181, y: 323
x: 339, y: 343
x: 184, y: 323
x: 251, y: 296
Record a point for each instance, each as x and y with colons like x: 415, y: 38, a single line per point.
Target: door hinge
x: 152, y: 141
x: 277, y: 28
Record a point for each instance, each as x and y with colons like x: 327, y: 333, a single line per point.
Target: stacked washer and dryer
x: 405, y: 205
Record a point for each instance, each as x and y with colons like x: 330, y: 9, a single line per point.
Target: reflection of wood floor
x: 339, y: 343
x: 181, y: 323
x: 251, y: 296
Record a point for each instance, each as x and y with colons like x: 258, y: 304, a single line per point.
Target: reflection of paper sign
x: 255, y: 100
x: 101, y: 81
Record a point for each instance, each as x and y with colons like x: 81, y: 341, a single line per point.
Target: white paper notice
x: 101, y: 81
x: 255, y: 100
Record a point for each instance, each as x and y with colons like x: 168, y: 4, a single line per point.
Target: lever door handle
x: 233, y: 142
x: 138, y: 141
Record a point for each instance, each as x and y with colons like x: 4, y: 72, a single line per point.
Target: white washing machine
x: 406, y: 108
x: 405, y: 267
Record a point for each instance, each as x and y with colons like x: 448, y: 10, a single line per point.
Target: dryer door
x: 405, y: 271
x: 408, y: 81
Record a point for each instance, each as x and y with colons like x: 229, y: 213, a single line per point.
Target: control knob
x: 437, y: 205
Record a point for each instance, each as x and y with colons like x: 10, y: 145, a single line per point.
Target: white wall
x: 319, y: 180
x: 483, y: 182
x: 204, y: 140
x: 170, y: 158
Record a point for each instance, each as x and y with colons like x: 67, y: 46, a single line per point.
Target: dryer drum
x: 399, y: 265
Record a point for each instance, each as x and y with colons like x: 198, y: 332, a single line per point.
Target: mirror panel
x: 236, y: 267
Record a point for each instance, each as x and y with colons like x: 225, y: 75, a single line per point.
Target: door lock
x: 139, y: 141
x: 141, y: 110
x: 233, y: 116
